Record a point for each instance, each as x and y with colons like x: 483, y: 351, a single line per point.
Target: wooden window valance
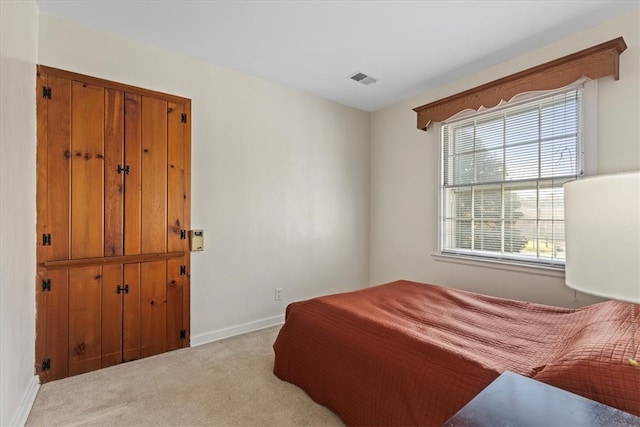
x: 595, y: 62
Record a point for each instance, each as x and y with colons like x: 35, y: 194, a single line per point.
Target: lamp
x: 602, y: 232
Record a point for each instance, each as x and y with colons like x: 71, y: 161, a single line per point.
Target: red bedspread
x: 407, y: 353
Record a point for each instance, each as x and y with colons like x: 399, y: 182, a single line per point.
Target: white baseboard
x: 219, y: 334
x: 29, y: 397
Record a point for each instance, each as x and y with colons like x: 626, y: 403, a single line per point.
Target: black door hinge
x: 46, y: 364
x: 183, y: 334
x: 46, y: 239
x: 125, y: 169
x: 46, y: 92
x: 183, y: 118
x: 183, y: 234
x: 46, y: 285
x: 183, y: 270
x: 124, y: 289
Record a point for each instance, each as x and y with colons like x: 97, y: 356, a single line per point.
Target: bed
x: 407, y: 353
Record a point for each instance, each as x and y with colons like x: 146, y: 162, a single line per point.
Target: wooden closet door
x: 87, y: 231
x: 153, y: 275
x: 53, y: 195
x: 176, y: 224
x: 113, y: 206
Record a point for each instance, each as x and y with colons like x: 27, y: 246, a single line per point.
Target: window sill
x: 538, y: 270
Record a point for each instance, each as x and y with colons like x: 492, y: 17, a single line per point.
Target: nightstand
x: 515, y: 400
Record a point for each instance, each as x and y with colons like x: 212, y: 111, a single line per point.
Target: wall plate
x: 196, y: 240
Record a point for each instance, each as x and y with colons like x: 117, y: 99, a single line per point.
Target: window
x: 503, y: 171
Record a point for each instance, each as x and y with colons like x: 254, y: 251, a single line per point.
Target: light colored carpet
x: 225, y: 383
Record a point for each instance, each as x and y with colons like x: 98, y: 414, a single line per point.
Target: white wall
x: 280, y: 178
x: 18, y: 53
x: 404, y: 164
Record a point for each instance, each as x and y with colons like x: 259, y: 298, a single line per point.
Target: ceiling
x: 408, y: 46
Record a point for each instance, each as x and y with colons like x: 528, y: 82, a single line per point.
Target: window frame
x: 589, y: 167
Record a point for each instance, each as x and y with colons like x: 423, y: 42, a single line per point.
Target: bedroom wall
x: 404, y: 173
x: 280, y: 179
x: 18, y: 53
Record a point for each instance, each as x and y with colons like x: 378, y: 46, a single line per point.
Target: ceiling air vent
x: 363, y: 78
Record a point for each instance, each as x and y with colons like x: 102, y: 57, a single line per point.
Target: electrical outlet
x: 278, y: 294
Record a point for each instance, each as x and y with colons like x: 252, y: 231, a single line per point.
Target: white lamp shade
x: 602, y: 231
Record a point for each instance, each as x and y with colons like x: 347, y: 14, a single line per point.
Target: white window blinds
x: 503, y: 172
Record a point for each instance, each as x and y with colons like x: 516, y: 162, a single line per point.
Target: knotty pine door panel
x: 114, y: 202
x: 132, y: 154
x: 131, y: 313
x: 85, y: 316
x: 113, y: 206
x: 177, y: 168
x: 153, y: 308
x: 176, y: 176
x: 54, y: 310
x: 54, y: 193
x: 87, y: 170
x: 154, y: 175
x: 175, y: 303
x: 112, y: 314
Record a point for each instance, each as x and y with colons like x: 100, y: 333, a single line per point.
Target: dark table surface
x: 514, y: 400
